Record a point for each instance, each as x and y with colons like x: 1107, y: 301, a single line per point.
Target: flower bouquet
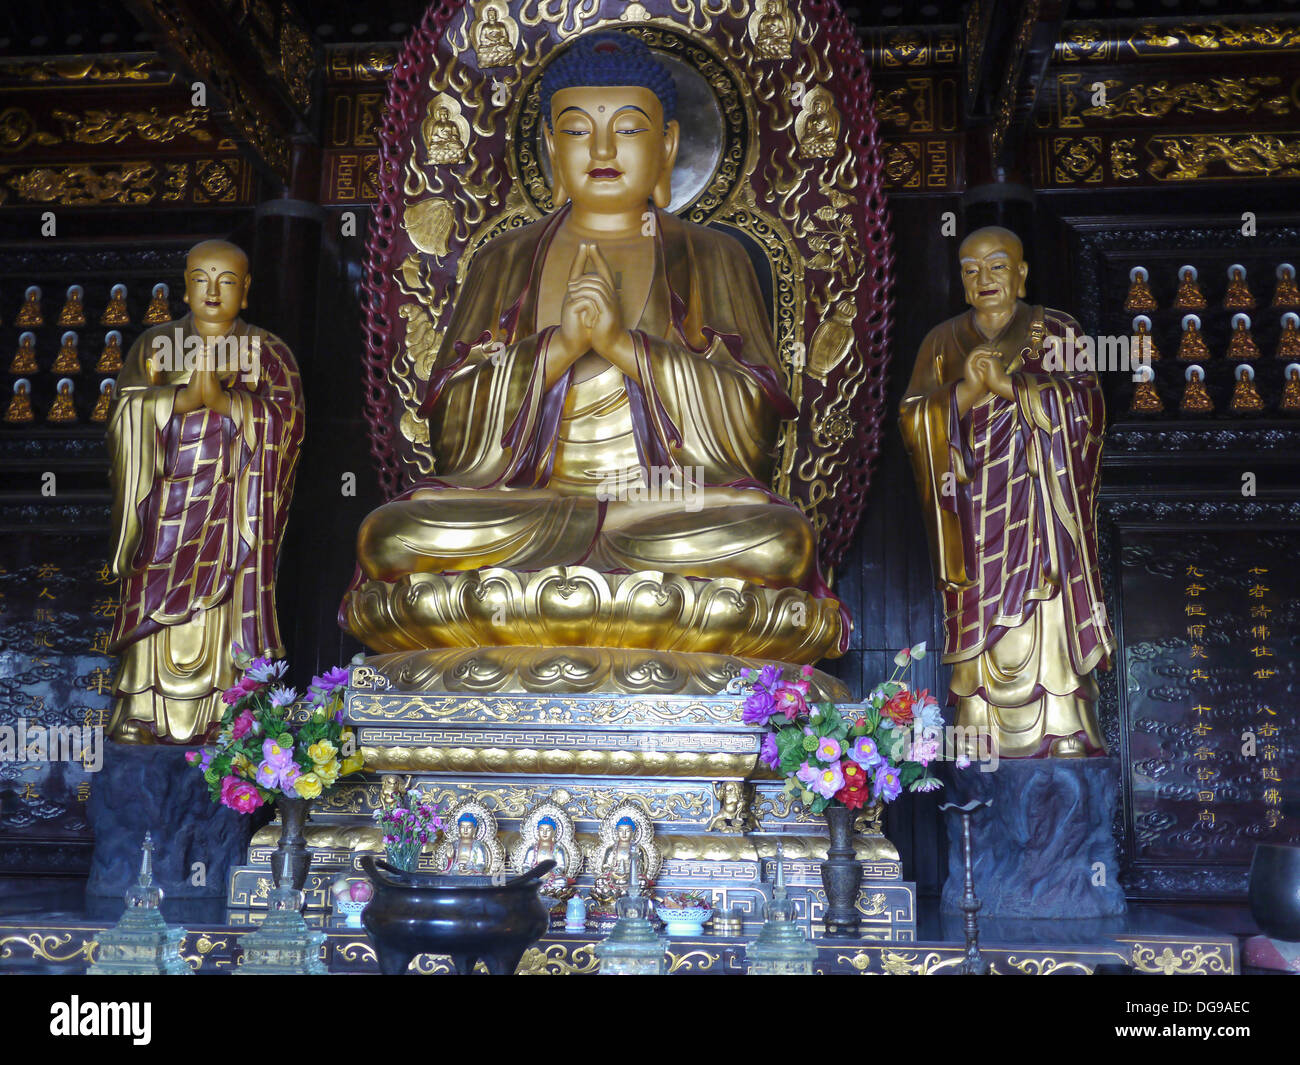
x: 408, y: 822
x: 851, y: 756
x: 271, y: 745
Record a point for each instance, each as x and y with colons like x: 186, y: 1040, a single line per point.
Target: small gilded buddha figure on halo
x: 1287, y: 293
x: 1140, y: 297
x: 1241, y: 345
x: 62, y: 411
x: 1190, y: 297
x: 19, y: 411
x: 1291, y: 390
x: 116, y: 313
x: 1238, y: 297
x: 1288, y: 342
x: 598, y: 346
x: 24, y: 360
x: 1191, y: 345
x: 74, y: 308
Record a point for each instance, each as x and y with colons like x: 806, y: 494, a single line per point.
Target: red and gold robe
x: 200, y: 502
x: 1009, y: 494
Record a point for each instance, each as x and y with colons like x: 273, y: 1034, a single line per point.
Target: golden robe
x: 556, y: 472
x: 1009, y: 495
x: 200, y: 502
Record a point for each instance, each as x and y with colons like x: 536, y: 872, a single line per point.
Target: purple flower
x: 283, y: 696
x: 887, y: 785
x: 263, y: 670
x: 759, y: 708
x: 289, y: 777
x: 807, y: 775
x: 268, y: 775
x: 276, y: 755
x: 769, y: 754
x: 828, y: 750
x: 769, y: 677
x: 865, y: 752
x: 829, y: 780
x: 322, y: 687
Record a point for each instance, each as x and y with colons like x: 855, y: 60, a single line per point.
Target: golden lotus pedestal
x: 681, y: 757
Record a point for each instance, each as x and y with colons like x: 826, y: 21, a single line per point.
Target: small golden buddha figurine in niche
x: 817, y: 127
x: 1238, y: 297
x: 442, y: 137
x: 24, y: 360
x: 470, y: 846
x: 1190, y: 297
x: 1140, y: 297
x: 1144, y: 344
x: 116, y: 312
x: 30, y: 312
x: 1245, y: 397
x: 546, y: 834
x: 1288, y: 343
x: 62, y: 410
x: 1196, y: 400
x: 100, y: 413
x: 1291, y: 390
x: 641, y: 352
x: 1242, y: 346
x: 1146, y: 400
x: 20, y: 410
x: 492, y: 44
x: 110, y: 359
x: 772, y: 39
x: 624, y: 830
x: 159, y: 309
x: 67, y: 361
x: 1287, y: 292
x: 74, y: 310
x: 1192, y: 346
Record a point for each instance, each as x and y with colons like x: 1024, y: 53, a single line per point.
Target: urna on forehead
x: 609, y: 59
x: 217, y: 252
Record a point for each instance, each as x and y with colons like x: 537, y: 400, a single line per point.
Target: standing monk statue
x: 1007, y: 456
x: 203, y: 443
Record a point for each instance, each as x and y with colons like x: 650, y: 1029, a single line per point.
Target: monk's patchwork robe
x: 1009, y: 495
x: 200, y: 502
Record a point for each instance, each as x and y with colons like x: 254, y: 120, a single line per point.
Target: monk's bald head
x: 993, y: 270
x: 220, y: 252
x: 216, y: 283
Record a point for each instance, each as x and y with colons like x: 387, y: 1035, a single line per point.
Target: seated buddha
x: 607, y: 396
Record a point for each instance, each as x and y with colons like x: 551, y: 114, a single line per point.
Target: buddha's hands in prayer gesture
x: 982, y: 373
x: 204, y: 388
x: 591, y: 317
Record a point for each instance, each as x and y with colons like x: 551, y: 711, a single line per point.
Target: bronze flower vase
x: 291, y: 859
x: 841, y: 876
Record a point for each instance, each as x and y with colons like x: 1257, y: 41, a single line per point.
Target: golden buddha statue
x: 471, y: 848
x: 468, y: 855
x: 160, y: 309
x: 62, y: 411
x: 772, y: 41
x: 442, y: 138
x: 203, y: 444
x: 74, y: 310
x: 1245, y: 396
x: 1012, y: 536
x: 625, y: 830
x: 1144, y: 344
x: 24, y: 360
x: 1238, y: 297
x: 1288, y: 342
x: 116, y: 312
x: 1196, y: 399
x: 817, y: 127
x: 19, y: 411
x: 1192, y: 346
x: 603, y: 410
x: 1241, y: 345
x: 1291, y: 390
x: 1140, y: 297
x: 67, y: 361
x: 29, y: 314
x: 492, y: 46
x: 1146, y: 400
x: 105, y: 401
x: 1287, y: 293
x: 1190, y: 297
x: 110, y: 359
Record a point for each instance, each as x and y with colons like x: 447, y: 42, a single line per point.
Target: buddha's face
x: 545, y: 835
x: 216, y: 282
x: 466, y: 829
x: 609, y: 146
x: 625, y: 834
x: 993, y: 271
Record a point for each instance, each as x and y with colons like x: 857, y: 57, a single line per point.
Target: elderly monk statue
x: 604, y: 350
x: 203, y: 442
x: 1006, y: 451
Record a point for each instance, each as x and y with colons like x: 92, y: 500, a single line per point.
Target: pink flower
x: 239, y: 795
x: 243, y: 724
x: 829, y: 780
x: 807, y: 671
x: 828, y: 750
x: 790, y: 700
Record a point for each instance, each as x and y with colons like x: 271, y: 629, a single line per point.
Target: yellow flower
x: 308, y: 786
x: 328, y: 771
x: 322, y: 751
x: 352, y: 763
x: 240, y: 764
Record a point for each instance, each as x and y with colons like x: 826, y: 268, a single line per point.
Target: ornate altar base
x: 1148, y: 942
x: 683, y: 759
